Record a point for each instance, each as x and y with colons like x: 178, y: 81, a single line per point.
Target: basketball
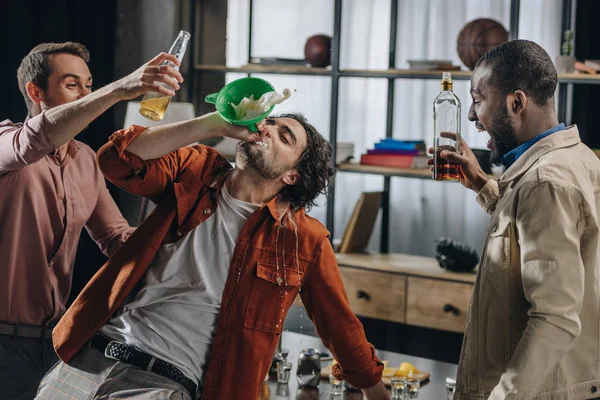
x: 317, y: 50
x: 477, y: 38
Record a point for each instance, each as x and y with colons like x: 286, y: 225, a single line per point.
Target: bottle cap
x: 446, y: 81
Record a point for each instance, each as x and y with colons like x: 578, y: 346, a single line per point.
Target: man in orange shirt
x: 218, y: 263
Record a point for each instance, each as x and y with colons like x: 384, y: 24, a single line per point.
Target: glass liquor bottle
x: 446, y: 126
x: 154, y: 105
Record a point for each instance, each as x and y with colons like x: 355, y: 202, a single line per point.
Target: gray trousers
x: 23, y: 363
x: 90, y: 375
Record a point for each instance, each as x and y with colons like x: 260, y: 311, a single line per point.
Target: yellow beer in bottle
x: 154, y: 105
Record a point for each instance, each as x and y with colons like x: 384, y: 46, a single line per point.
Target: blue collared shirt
x: 512, y: 156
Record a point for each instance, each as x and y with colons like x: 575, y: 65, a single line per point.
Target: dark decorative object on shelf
x: 317, y: 50
x: 455, y: 256
x: 477, y: 38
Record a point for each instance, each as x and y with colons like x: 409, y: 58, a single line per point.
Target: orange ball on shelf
x: 477, y: 38
x: 317, y: 50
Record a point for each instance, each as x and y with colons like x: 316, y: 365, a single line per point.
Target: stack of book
x: 588, y: 67
x: 593, y: 64
x: 397, y: 153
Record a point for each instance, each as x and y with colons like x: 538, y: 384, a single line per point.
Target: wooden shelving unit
x: 266, y: 69
x: 590, y: 79
x: 385, y: 171
x: 335, y: 73
x: 424, y: 173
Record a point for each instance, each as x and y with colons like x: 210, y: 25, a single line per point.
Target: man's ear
x: 35, y: 93
x: 291, y: 177
x: 519, y: 101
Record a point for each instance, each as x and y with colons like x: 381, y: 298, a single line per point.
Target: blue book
x: 402, y: 141
x: 392, y: 144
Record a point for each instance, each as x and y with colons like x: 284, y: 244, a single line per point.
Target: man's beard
x: 503, y: 134
x: 254, y: 157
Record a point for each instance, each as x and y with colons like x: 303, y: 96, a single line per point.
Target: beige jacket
x: 533, y: 328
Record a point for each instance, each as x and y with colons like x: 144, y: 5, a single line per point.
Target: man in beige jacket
x: 533, y: 324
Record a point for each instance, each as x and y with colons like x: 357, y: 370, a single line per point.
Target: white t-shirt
x: 174, y: 315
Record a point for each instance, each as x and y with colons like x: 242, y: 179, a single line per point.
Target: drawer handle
x: 361, y: 294
x: 449, y: 308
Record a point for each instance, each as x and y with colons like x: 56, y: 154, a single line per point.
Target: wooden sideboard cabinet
x: 407, y: 289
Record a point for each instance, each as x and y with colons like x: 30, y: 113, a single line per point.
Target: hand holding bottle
x: 471, y: 175
x: 145, y: 79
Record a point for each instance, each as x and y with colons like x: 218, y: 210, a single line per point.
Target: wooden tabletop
x: 433, y: 389
x: 427, y: 267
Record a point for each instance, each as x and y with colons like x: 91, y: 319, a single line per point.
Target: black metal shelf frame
x: 565, y: 83
x: 565, y: 89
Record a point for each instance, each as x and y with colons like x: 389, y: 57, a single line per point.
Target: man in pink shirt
x: 50, y: 188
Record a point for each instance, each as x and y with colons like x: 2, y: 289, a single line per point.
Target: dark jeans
x: 23, y: 364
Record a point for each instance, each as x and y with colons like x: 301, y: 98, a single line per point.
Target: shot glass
x: 283, y: 390
x: 450, y: 388
x: 336, y: 385
x: 399, y: 388
x: 413, y: 386
x: 284, y: 370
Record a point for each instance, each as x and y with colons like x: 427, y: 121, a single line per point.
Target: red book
x: 396, y: 161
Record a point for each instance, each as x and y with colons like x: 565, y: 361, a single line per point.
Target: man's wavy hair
x: 314, y: 167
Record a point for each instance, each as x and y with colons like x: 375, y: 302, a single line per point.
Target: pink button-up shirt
x: 44, y: 204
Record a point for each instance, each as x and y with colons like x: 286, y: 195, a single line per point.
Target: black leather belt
x: 121, y: 352
x: 22, y: 330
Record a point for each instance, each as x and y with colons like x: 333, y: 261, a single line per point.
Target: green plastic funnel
x: 233, y: 93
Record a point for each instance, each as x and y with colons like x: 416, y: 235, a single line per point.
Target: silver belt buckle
x: 106, y: 350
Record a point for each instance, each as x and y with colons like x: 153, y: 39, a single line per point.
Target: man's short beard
x: 255, y: 159
x: 504, y: 136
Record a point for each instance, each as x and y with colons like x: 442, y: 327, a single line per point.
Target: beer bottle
x: 154, y: 105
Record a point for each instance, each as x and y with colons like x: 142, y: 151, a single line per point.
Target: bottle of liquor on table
x: 446, y: 126
x: 154, y: 105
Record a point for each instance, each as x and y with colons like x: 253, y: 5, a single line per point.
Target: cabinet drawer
x: 438, y: 304
x: 375, y: 294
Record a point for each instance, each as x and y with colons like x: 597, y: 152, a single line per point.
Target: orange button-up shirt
x: 44, y: 204
x: 278, y: 254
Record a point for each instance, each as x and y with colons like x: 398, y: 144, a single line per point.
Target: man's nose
x: 264, y: 133
x: 472, y: 116
x: 83, y: 92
